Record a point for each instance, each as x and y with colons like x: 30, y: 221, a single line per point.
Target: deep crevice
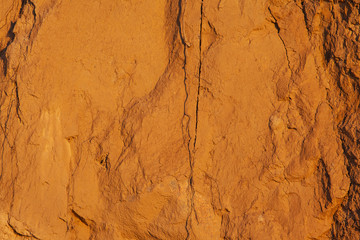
x: 199, y: 77
x: 3, y: 53
x: 306, y: 17
x: 3, y: 57
x: 186, y: 116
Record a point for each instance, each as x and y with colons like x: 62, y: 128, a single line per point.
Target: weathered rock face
x: 179, y: 119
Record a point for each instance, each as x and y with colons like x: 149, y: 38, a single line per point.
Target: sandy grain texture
x: 179, y: 119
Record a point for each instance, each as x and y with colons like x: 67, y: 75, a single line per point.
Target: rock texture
x: 179, y: 119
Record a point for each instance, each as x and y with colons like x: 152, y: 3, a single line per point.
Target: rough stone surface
x: 179, y: 119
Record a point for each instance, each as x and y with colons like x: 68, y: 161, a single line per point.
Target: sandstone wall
x: 179, y: 119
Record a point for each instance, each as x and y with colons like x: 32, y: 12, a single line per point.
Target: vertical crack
x: 3, y: 56
x: 24, y: 3
x: 11, y: 77
x: 199, y: 73
x: 281, y: 39
x: 33, y: 12
x: 186, y: 116
x: 306, y: 17
x: 17, y: 98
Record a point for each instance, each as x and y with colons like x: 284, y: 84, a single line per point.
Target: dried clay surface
x: 179, y: 119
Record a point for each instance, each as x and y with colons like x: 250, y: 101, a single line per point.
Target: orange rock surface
x: 179, y: 119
